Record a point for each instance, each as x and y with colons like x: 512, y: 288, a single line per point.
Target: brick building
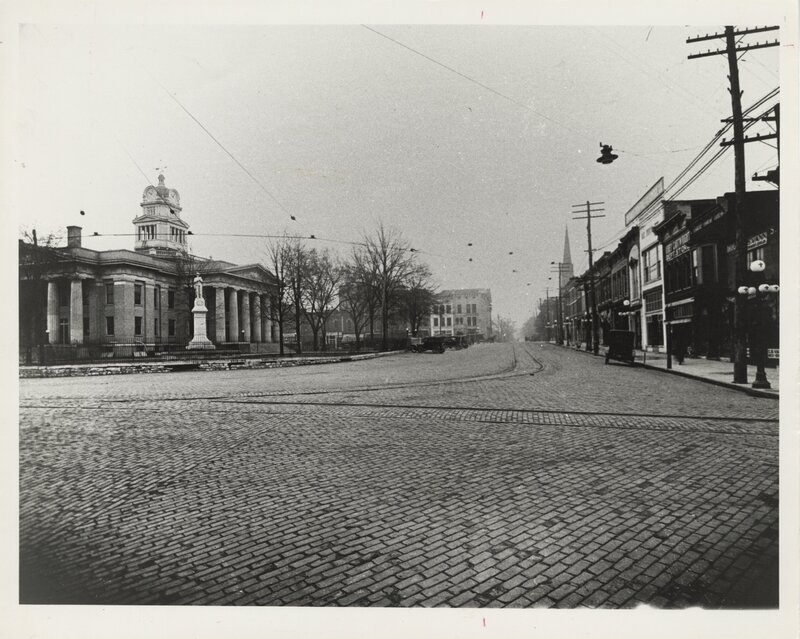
x: 464, y: 311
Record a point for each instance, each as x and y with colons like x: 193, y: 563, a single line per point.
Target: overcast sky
x: 454, y: 134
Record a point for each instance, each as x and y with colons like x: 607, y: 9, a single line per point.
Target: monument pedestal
x: 200, y: 341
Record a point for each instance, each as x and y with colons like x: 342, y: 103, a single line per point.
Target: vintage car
x: 434, y: 343
x: 620, y: 346
x: 456, y: 341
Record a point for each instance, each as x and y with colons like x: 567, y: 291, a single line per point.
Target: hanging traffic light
x: 606, y: 155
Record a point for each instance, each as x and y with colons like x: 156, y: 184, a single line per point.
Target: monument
x: 199, y: 340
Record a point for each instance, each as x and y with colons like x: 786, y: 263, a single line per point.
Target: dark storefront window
x: 655, y: 331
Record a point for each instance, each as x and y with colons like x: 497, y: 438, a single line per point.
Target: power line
x: 222, y: 146
x: 474, y: 81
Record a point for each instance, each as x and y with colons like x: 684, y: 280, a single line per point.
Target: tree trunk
x: 299, y: 347
x: 385, y: 323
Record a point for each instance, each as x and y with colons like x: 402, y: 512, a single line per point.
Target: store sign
x: 646, y: 202
x: 676, y: 247
x: 756, y: 241
x: 684, y: 311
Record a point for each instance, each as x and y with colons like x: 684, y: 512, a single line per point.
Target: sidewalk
x: 718, y: 372
x: 170, y: 366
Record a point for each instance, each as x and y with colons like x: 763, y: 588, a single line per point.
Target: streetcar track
x: 508, y: 372
x: 421, y: 408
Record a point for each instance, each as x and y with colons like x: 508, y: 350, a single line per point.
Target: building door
x: 63, y: 331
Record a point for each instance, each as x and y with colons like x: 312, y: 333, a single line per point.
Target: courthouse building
x: 78, y: 296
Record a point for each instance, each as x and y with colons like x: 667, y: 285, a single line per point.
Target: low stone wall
x: 82, y: 370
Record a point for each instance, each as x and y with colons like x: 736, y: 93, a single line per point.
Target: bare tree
x: 364, y: 279
x: 506, y: 328
x: 355, y: 299
x: 296, y: 273
x: 37, y: 256
x: 417, y: 297
x: 392, y: 261
x: 279, y: 256
x: 322, y: 277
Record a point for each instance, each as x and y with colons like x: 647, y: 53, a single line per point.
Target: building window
x: 85, y: 294
x: 63, y: 293
x: 171, y: 328
x: 137, y: 294
x: 449, y: 321
x: 63, y: 331
x: 149, y: 210
x: 137, y: 325
x: 109, y: 292
x: 86, y: 327
x: 156, y: 297
x: 436, y: 321
x: 109, y: 324
x: 147, y: 232
x: 170, y: 299
x: 652, y: 301
x: 679, y: 273
x: 458, y: 308
x: 155, y: 327
x: 755, y: 254
x: 651, y: 265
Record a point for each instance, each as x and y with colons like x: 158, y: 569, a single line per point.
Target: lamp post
x: 625, y: 303
x: 587, y: 324
x: 758, y: 294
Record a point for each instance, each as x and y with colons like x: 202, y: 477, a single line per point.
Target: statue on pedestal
x: 200, y: 340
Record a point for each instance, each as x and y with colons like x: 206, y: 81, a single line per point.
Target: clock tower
x: 159, y: 228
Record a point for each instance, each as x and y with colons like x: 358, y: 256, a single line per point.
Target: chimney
x: 74, y: 236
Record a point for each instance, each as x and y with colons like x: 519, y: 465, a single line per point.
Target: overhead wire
x: 476, y: 82
x: 222, y: 146
x: 673, y: 189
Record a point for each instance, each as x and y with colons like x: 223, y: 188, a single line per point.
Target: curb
x: 754, y: 392
x: 94, y: 370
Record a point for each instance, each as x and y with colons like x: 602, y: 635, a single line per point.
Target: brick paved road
x: 491, y: 477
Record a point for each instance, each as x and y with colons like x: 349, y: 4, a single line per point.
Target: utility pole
x: 547, y: 294
x: 588, y: 218
x: 740, y: 238
x: 561, y: 267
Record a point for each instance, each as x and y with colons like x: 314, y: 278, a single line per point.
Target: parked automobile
x: 434, y: 343
x: 456, y: 341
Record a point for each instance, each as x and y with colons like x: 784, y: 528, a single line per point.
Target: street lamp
x: 758, y: 295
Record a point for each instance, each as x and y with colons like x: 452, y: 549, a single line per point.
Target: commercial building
x: 671, y: 278
x: 466, y: 311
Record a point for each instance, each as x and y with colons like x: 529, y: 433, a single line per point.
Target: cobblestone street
x: 498, y: 476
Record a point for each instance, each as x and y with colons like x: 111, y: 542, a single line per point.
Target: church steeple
x: 566, y: 261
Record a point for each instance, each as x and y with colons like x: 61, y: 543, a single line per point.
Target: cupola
x: 159, y: 227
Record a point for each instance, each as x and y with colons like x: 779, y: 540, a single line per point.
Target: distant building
x: 74, y: 296
x: 465, y: 311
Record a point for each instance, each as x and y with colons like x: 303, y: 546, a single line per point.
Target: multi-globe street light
x: 757, y: 293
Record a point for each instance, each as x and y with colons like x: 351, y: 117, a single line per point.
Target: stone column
x: 245, y: 316
x: 76, y: 312
x: 257, y: 329
x: 219, y: 317
x: 233, y: 309
x: 52, y: 312
x: 267, y: 315
x: 123, y: 310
